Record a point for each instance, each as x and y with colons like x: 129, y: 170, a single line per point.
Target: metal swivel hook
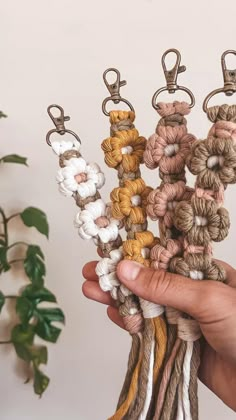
x: 229, y: 77
x: 171, y: 77
x: 114, y: 89
x: 59, y: 123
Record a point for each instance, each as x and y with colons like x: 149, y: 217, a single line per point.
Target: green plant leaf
x: 26, y: 304
x: 2, y: 115
x: 37, y: 218
x: 22, y: 338
x: 34, y: 265
x: 41, y: 382
x: 27, y: 309
x: 2, y: 300
x: 44, y: 327
x: 24, y: 309
x: 4, y: 266
x: 14, y: 159
x: 39, y: 354
x: 38, y: 294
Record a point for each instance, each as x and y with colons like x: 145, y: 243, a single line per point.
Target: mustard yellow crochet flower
x: 138, y: 249
x: 130, y: 201
x: 126, y: 147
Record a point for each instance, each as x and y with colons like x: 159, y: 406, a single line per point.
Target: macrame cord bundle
x: 124, y: 151
x: 168, y: 149
x: 161, y: 377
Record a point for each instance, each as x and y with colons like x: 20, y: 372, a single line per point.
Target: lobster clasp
x: 171, y: 77
x: 229, y: 75
x: 172, y: 74
x: 114, y: 89
x: 58, y: 121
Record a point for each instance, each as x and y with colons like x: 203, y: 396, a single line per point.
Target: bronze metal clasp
x: 59, y: 123
x: 229, y: 77
x: 171, y: 77
x: 114, y: 89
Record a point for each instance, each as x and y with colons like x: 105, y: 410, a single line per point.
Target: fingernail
x: 128, y: 270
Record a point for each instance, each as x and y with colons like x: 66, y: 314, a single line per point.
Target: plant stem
x: 6, y: 342
x: 12, y: 216
x: 15, y: 261
x: 17, y: 243
x: 4, y: 219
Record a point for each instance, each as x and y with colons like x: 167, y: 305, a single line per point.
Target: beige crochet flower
x: 202, y: 221
x: 213, y: 161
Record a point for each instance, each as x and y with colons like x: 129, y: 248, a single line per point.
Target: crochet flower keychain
x: 124, y: 151
x: 168, y: 149
x: 204, y: 220
x: 82, y: 180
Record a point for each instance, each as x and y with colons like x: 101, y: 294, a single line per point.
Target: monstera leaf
x: 27, y: 309
x: 34, y: 265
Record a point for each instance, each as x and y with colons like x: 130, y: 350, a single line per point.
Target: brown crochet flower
x: 202, y: 221
x: 197, y: 267
x: 130, y: 201
x: 213, y: 161
x: 162, y: 201
x: 138, y: 249
x: 126, y: 147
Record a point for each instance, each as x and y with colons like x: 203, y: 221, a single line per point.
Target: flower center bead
x: 81, y: 178
x: 196, y: 275
x: 127, y: 150
x: 215, y: 161
x: 171, y: 149
x: 200, y: 221
x: 145, y: 252
x: 171, y: 205
x: 102, y: 222
x: 136, y: 200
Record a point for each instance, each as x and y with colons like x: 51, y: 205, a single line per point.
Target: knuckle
x: 213, y: 297
x: 157, y: 282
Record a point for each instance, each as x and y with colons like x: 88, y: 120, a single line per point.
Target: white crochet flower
x: 79, y: 176
x: 93, y: 222
x: 62, y: 146
x: 106, y: 271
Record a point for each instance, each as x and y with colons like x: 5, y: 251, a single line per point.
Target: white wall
x: 55, y: 51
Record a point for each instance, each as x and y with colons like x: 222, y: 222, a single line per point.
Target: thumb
x: 168, y: 289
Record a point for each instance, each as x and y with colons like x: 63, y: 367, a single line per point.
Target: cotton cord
x: 203, y: 220
x: 124, y: 151
x: 168, y: 149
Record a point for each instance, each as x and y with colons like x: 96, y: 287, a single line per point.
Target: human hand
x: 211, y: 303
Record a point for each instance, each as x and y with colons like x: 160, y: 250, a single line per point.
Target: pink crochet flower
x: 168, y: 149
x: 162, y: 201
